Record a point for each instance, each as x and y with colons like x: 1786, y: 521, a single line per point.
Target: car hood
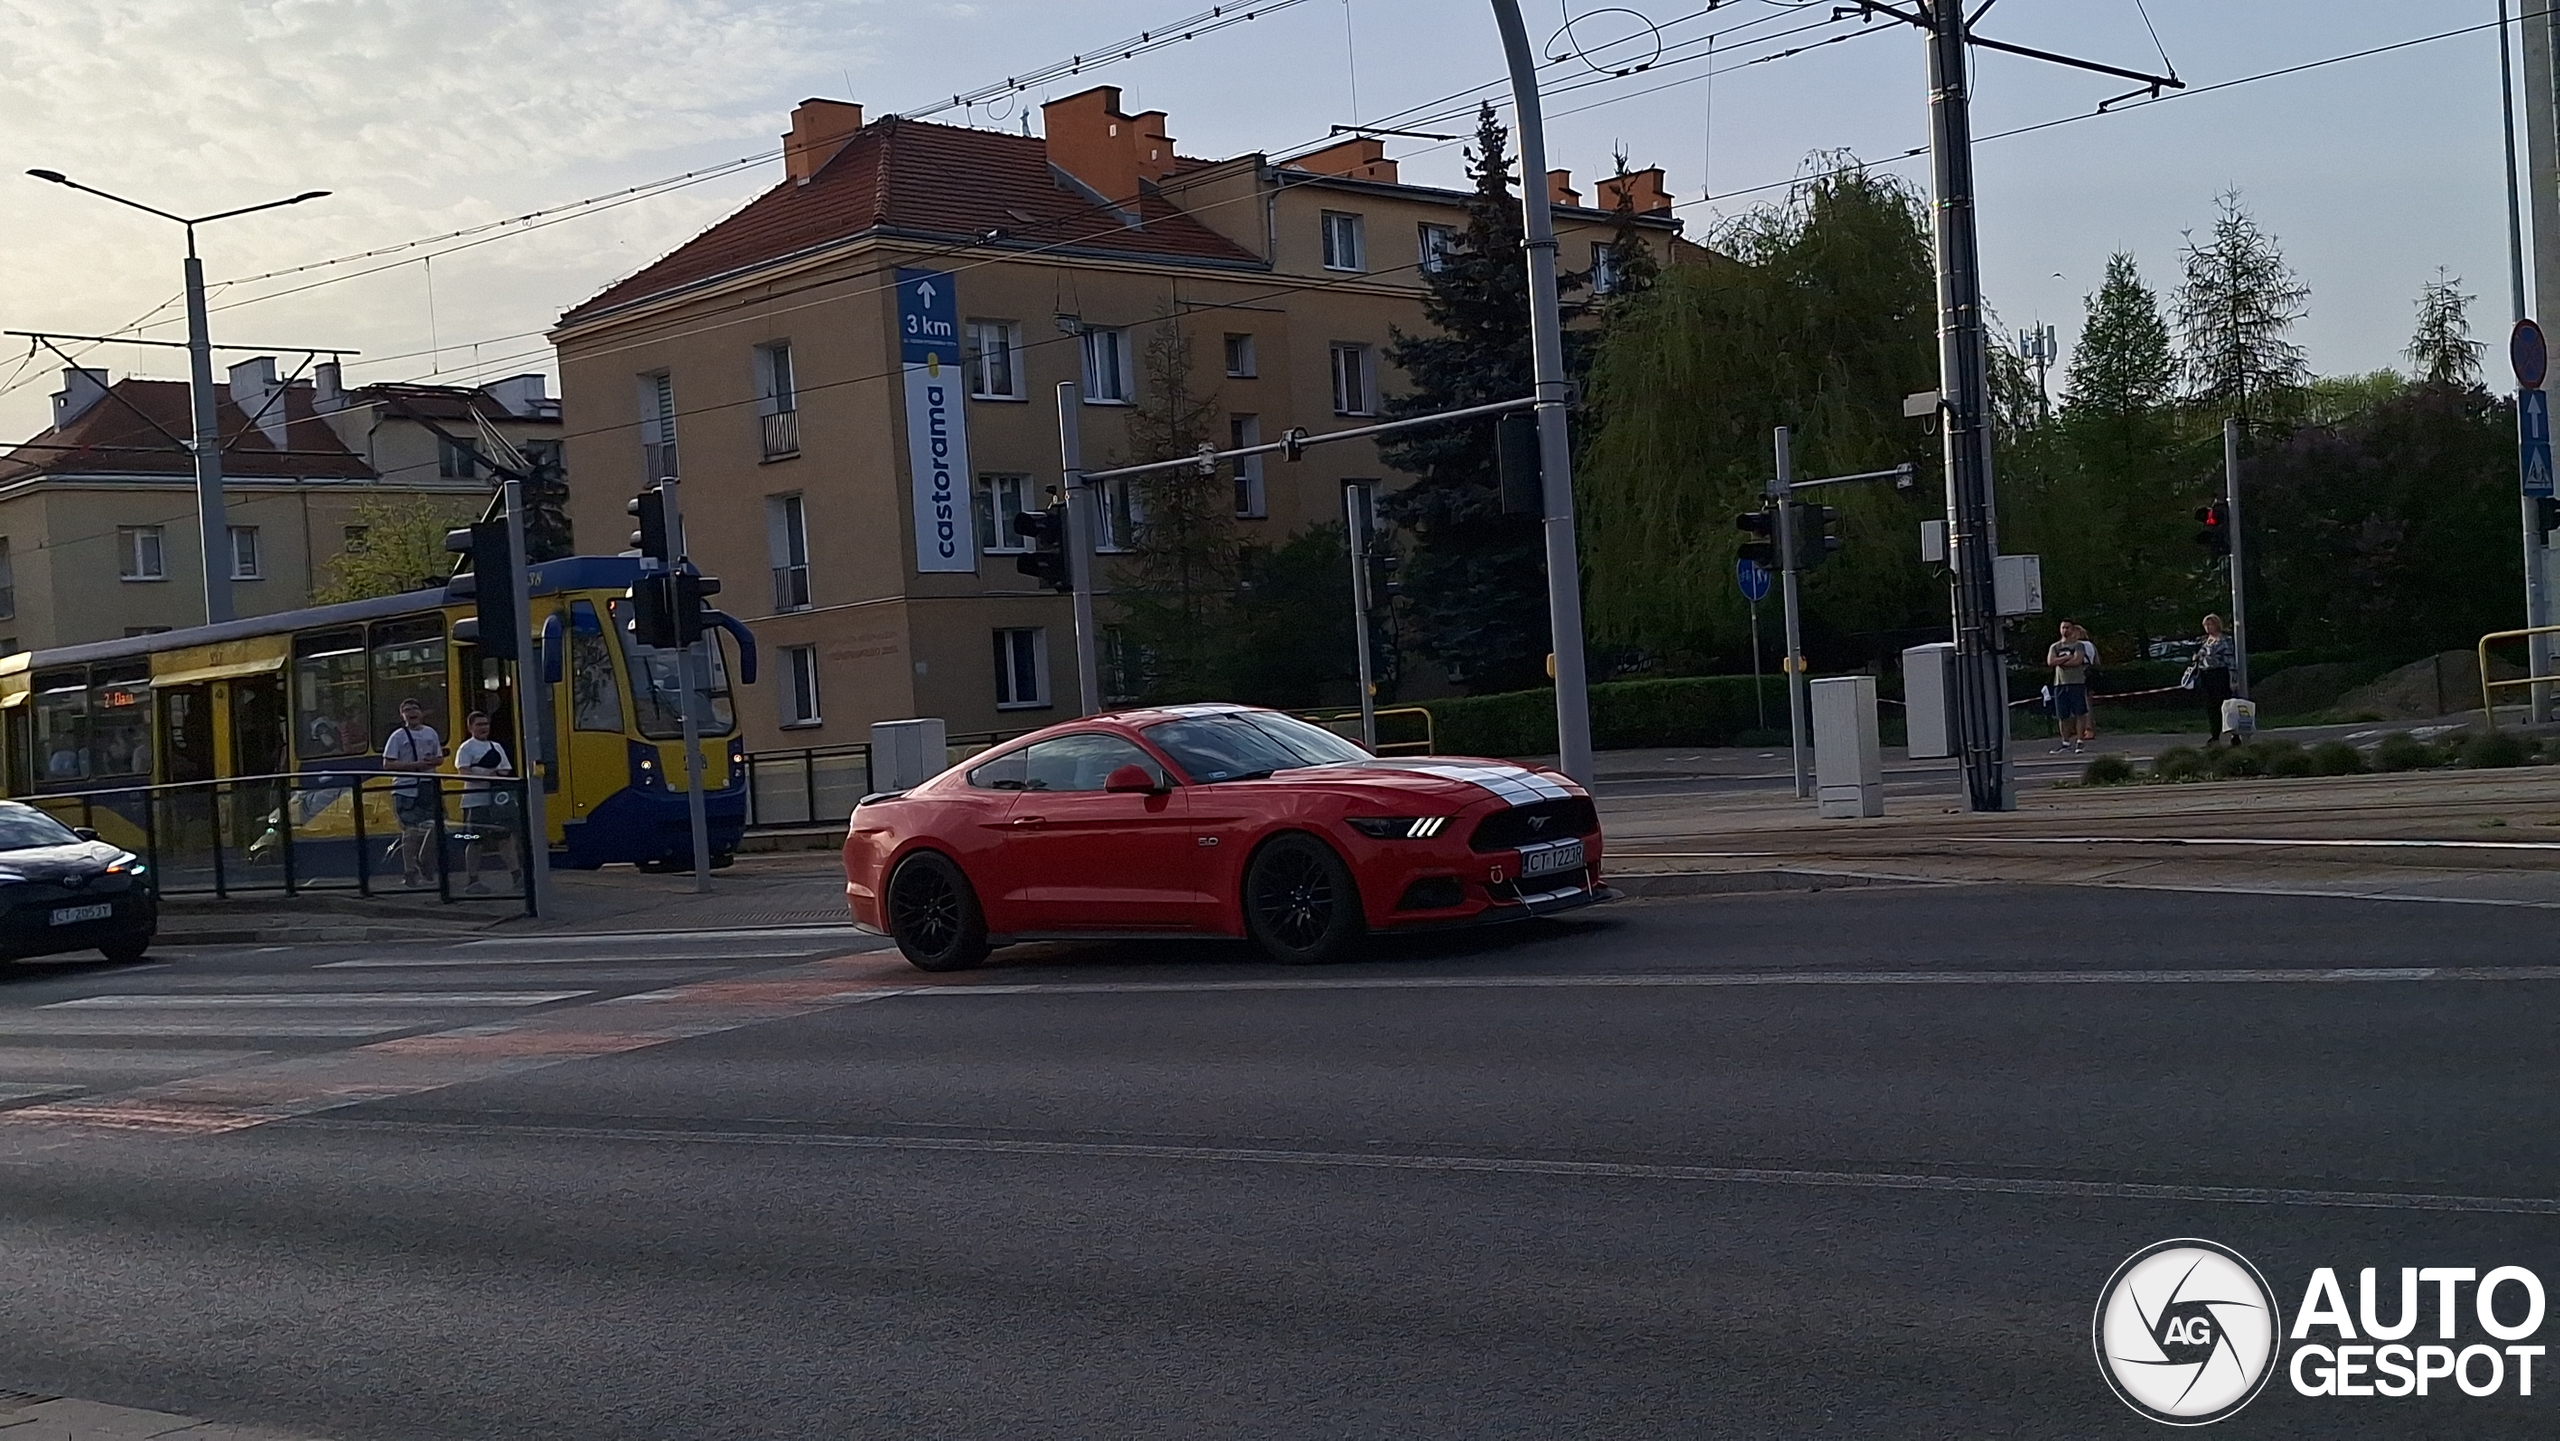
x: 1451, y: 780
x: 53, y: 863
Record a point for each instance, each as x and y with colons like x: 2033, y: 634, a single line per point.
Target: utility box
x: 1929, y: 699
x: 1848, y: 764
x: 2017, y: 585
x: 907, y: 753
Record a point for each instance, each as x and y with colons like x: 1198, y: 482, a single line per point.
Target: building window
x: 1106, y: 367
x: 786, y: 528
x: 800, y: 697
x: 1240, y: 357
x: 1437, y: 242
x: 777, y: 402
x: 1242, y: 431
x: 455, y: 460
x: 1605, y: 272
x: 244, y: 553
x: 138, y: 552
x: 8, y: 585
x: 1351, y: 380
x: 995, y: 360
x: 657, y: 427
x: 1022, y: 668
x: 1117, y: 516
x: 1342, y: 242
x: 1001, y: 500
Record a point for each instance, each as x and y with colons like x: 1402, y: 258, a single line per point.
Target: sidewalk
x: 26, y: 1417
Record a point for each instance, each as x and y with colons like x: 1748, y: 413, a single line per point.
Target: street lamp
x: 212, y: 521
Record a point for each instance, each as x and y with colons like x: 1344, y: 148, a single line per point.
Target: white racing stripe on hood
x: 1516, y: 784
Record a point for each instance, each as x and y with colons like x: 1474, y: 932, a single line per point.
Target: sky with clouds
x: 425, y: 117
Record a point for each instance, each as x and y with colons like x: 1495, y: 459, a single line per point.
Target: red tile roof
x: 111, y: 438
x: 938, y: 181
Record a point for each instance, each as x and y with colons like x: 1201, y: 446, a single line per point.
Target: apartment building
x: 854, y: 378
x: 98, y: 528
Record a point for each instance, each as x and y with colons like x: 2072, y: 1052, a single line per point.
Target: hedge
x: 1625, y: 715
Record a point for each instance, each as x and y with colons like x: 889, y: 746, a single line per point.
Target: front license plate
x: 73, y: 915
x: 1548, y: 859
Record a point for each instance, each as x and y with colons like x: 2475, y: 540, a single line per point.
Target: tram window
x: 329, y: 709
x: 655, y: 690
x: 596, y: 697
x: 408, y: 660
x: 120, y: 720
x: 62, y: 725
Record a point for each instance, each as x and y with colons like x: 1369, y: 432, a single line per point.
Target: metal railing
x: 341, y: 831
x: 781, y: 434
x: 791, y: 587
x: 2489, y: 688
x: 1406, y: 744
x: 812, y: 786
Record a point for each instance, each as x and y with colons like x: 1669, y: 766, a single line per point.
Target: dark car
x: 66, y: 890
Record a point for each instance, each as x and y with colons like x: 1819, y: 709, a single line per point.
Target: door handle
x: 1026, y: 823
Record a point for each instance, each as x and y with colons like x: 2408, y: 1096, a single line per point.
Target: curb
x: 1643, y: 884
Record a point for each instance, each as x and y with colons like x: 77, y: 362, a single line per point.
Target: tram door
x: 258, y: 732
x: 184, y: 818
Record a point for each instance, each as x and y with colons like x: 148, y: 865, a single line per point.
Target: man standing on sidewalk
x: 415, y: 748
x: 2071, y: 655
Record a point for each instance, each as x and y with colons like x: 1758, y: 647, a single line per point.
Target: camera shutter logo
x: 2187, y: 1332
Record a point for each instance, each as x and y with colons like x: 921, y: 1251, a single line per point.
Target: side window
x: 120, y: 719
x: 1004, y: 773
x: 408, y: 660
x: 330, y: 709
x: 62, y: 726
x: 1082, y: 762
x: 595, y: 696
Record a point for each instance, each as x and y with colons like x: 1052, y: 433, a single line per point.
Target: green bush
x: 2181, y: 763
x: 2494, y: 750
x: 2107, y: 771
x: 2237, y: 762
x: 1625, y: 715
x: 2401, y: 751
x: 2336, y: 758
x: 2283, y: 757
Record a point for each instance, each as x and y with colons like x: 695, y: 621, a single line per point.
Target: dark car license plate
x: 73, y: 915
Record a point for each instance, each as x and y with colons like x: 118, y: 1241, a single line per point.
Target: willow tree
x: 1817, y: 312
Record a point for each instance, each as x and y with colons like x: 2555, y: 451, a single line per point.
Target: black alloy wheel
x: 1299, y: 903
x: 934, y: 916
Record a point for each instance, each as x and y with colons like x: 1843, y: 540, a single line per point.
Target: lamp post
x: 212, y: 521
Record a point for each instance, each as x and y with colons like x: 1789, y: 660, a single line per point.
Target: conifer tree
x: 2123, y: 364
x: 2236, y: 311
x: 2442, y: 351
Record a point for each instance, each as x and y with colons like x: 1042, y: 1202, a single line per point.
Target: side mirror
x: 86, y: 834
x: 1131, y: 778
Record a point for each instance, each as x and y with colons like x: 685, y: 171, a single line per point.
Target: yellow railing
x: 1402, y: 715
x: 2489, y: 688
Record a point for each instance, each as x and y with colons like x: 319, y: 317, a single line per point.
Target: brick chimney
x: 819, y: 128
x: 1109, y: 152
x: 1640, y: 192
x: 81, y: 389
x: 257, y: 391
x: 1358, y: 158
x: 1560, y: 189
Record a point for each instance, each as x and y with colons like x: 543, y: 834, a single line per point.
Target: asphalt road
x: 1852, y: 1163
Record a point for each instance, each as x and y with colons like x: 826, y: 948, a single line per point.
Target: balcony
x: 790, y: 587
x: 781, y: 434
x: 657, y: 461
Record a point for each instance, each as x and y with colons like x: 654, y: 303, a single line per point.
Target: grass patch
x: 2108, y: 771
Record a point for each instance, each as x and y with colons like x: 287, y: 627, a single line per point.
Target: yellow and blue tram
x: 313, y: 695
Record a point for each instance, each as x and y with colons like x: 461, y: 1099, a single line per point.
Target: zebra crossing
x: 223, y: 1040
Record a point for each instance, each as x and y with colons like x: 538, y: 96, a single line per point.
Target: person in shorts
x: 2071, y: 655
x: 488, y: 812
x: 415, y: 750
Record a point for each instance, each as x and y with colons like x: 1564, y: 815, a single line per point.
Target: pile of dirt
x: 2446, y: 684
x: 2303, y: 690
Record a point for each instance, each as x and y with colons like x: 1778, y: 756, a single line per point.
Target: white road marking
x: 672, y: 937
x: 111, y: 1024
x: 402, y: 999
x: 1513, y: 1165
x: 2238, y: 976
x: 504, y: 963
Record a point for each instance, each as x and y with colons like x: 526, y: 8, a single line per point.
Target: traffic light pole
x: 1359, y: 504
x: 533, y: 702
x: 686, y: 687
x: 2239, y: 572
x: 1080, y: 500
x: 1799, y: 751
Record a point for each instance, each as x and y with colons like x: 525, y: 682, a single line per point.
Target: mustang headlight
x: 1392, y: 828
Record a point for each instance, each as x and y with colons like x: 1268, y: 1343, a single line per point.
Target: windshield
x: 655, y: 690
x: 1248, y: 743
x: 25, y: 828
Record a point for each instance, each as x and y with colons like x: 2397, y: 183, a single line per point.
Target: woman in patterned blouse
x: 2212, y: 671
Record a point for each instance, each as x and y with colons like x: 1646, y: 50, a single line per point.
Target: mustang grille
x: 1542, y: 821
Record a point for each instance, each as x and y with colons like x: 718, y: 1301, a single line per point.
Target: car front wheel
x: 1299, y: 903
x: 934, y: 915
x: 125, y: 950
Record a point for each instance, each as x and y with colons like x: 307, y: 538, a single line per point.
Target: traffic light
x: 490, y: 588
x: 653, y: 613
x: 1046, y: 530
x: 1383, y: 586
x: 2546, y: 513
x: 1517, y: 464
x: 2216, y: 522
x: 1762, y: 526
x: 650, y: 506
x: 1814, y: 541
x: 692, y: 591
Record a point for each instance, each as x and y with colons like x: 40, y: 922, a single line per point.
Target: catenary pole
x: 1359, y: 508
x: 533, y: 703
x: 213, y: 518
x: 1555, y: 455
x: 1080, y: 499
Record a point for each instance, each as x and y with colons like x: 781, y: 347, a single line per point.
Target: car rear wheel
x: 1299, y: 903
x: 934, y: 915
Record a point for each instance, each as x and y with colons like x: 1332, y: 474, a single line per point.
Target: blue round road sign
x: 2531, y: 357
x: 1752, y: 576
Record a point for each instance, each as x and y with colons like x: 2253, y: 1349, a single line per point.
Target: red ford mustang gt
x: 1219, y: 820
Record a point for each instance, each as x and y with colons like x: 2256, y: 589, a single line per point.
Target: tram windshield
x: 656, y: 692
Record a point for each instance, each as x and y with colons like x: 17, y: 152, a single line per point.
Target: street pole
x: 533, y: 702
x: 2537, y: 576
x: 213, y: 518
x: 2239, y: 569
x: 1358, y: 506
x: 685, y: 686
x: 1982, y: 693
x: 1784, y: 489
x: 1759, y: 702
x: 1079, y: 542
x: 1555, y: 454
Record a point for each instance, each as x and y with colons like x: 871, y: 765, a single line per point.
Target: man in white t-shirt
x: 488, y: 812
x: 417, y: 750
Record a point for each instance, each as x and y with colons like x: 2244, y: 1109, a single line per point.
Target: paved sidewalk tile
x: 60, y: 1419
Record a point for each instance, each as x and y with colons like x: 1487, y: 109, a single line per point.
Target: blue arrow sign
x: 1753, y: 577
x: 2533, y: 440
